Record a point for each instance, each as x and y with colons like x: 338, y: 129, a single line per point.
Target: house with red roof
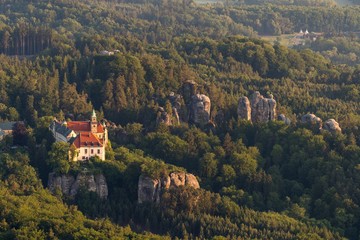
x: 87, y: 138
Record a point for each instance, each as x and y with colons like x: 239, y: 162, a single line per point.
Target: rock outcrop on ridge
x: 311, y: 119
x: 200, y: 109
x: 69, y: 185
x: 163, y: 117
x: 257, y: 109
x: 150, y: 189
x: 284, y: 119
x: 332, y: 126
x: 244, y: 108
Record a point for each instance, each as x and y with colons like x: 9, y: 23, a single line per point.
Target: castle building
x: 87, y: 138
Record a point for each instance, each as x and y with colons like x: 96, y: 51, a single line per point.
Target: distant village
x: 302, y: 36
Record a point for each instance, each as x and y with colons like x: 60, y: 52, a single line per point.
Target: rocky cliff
x: 149, y: 189
x: 163, y: 117
x: 166, y: 118
x: 189, y: 106
x: 257, y: 109
x: 69, y: 185
x: 284, y: 119
x: 332, y: 126
x: 200, y: 109
x: 189, y: 89
x: 244, y: 108
x: 311, y: 119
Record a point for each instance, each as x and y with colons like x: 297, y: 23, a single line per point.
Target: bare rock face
x: 189, y: 90
x: 190, y: 180
x: 176, y: 119
x: 244, y: 108
x: 163, y: 117
x: 254, y: 100
x: 177, y: 179
x: 311, y: 119
x: 175, y: 100
x: 101, y: 186
x: 63, y: 182
x: 83, y: 180
x: 284, y: 119
x: 272, y: 108
x: 332, y: 126
x: 70, y: 186
x: 166, y: 118
x: 258, y: 109
x: 263, y: 109
x: 200, y: 109
x: 149, y: 189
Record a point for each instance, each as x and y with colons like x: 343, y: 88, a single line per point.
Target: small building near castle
x: 87, y: 138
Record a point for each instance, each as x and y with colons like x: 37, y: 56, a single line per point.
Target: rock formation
x: 188, y: 90
x: 200, y: 109
x: 62, y: 182
x: 166, y: 118
x: 284, y: 119
x: 163, y: 117
x: 149, y: 189
x: 332, y: 126
x: 175, y: 100
x: 258, y: 109
x: 244, y: 108
x: 176, y: 118
x: 262, y: 109
x: 311, y: 119
x: 70, y: 186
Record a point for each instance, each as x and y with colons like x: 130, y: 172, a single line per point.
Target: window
x: 92, y: 151
x: 98, y: 151
x: 85, y: 151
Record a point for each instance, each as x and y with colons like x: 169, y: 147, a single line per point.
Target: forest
x: 133, y: 62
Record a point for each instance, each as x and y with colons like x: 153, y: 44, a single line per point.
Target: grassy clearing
x: 285, y: 39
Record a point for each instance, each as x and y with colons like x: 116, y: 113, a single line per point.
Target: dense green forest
x: 258, y: 180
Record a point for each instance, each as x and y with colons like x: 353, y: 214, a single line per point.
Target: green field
x: 284, y: 39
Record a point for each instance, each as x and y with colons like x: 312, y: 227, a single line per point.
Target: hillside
x: 268, y: 135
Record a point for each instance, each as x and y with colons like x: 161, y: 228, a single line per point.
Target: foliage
x: 262, y: 181
x: 59, y: 157
x: 29, y: 211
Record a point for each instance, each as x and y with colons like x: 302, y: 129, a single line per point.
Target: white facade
x: 87, y: 138
x: 85, y: 153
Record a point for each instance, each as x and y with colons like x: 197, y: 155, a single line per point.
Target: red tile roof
x: 87, y: 139
x: 100, y: 128
x: 83, y: 126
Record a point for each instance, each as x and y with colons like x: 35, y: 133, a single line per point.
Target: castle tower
x: 94, y: 122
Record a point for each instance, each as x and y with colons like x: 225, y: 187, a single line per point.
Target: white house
x: 87, y: 138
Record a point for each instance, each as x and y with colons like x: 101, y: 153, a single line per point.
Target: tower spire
x: 94, y: 122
